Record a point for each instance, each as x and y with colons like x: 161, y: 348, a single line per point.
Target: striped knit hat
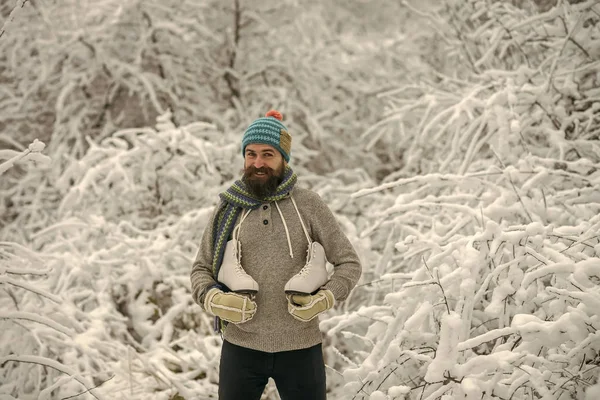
x: 269, y: 130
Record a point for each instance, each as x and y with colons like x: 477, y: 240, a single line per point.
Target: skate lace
x: 306, y: 269
x: 237, y: 253
x: 239, y: 270
x: 238, y: 261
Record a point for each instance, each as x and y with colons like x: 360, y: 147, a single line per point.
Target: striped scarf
x: 234, y: 200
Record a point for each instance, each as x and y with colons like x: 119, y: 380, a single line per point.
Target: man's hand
x: 231, y: 307
x: 305, y: 307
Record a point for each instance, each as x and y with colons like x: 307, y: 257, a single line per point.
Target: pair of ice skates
x: 310, y: 278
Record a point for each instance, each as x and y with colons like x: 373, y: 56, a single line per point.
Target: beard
x: 263, y: 186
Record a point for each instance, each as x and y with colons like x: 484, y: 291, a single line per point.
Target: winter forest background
x: 457, y: 141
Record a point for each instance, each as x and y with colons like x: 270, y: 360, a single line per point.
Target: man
x: 271, y: 334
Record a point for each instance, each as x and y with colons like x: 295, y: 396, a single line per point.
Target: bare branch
x: 20, y: 4
x: 46, y: 362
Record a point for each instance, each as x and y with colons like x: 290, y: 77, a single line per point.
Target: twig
x: 512, y: 184
x: 387, y: 376
x: 463, y: 43
x: 510, y: 35
x: 554, y: 122
x: 31, y: 288
x: 483, y: 323
x: 439, y: 284
x: 423, y: 391
x: 12, y: 15
x: 545, y: 202
x: 361, y: 389
x: 13, y: 297
x: 567, y: 39
x: 570, y: 37
x: 231, y: 79
x: 520, y: 199
x: 46, y: 362
x: 40, y: 319
x: 85, y: 391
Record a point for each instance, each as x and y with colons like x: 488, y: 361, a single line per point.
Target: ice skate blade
x: 251, y: 292
x: 295, y: 292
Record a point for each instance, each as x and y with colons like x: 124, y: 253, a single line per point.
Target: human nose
x: 259, y: 162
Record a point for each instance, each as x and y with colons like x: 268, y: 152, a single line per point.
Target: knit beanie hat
x: 269, y: 130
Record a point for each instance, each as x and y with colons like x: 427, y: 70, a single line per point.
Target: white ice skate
x: 314, y: 273
x: 231, y: 273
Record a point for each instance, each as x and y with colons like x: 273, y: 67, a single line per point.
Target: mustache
x: 252, y: 170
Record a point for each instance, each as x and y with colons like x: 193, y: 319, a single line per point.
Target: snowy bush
x: 154, y: 174
x: 486, y: 315
x: 75, y: 70
x: 113, y: 302
x: 36, y: 322
x: 491, y: 270
x: 474, y: 209
x: 125, y: 316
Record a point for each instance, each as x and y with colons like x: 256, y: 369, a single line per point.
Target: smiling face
x: 263, y: 169
x: 262, y: 155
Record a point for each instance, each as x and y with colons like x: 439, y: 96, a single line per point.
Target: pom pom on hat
x: 269, y: 130
x: 275, y: 114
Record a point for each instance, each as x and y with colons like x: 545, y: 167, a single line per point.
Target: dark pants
x: 298, y: 374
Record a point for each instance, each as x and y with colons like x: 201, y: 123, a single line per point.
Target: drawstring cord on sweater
x: 287, y: 232
x: 301, y: 221
x: 238, y: 226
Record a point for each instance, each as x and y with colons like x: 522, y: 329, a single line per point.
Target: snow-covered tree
x: 472, y: 200
x: 72, y: 70
x: 489, y: 280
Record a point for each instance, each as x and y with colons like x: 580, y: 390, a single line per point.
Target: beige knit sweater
x: 266, y: 257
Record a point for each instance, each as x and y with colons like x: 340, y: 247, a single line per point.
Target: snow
x: 447, y: 351
x: 464, y: 169
x: 378, y: 395
x: 592, y: 392
x: 415, y: 321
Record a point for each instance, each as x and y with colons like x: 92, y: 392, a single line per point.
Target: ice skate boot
x: 231, y: 273
x: 313, y: 275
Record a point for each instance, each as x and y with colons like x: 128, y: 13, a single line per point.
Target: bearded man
x: 269, y: 223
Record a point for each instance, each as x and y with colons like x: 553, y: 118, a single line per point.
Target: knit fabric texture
x: 266, y: 258
x: 271, y: 131
x: 234, y: 200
